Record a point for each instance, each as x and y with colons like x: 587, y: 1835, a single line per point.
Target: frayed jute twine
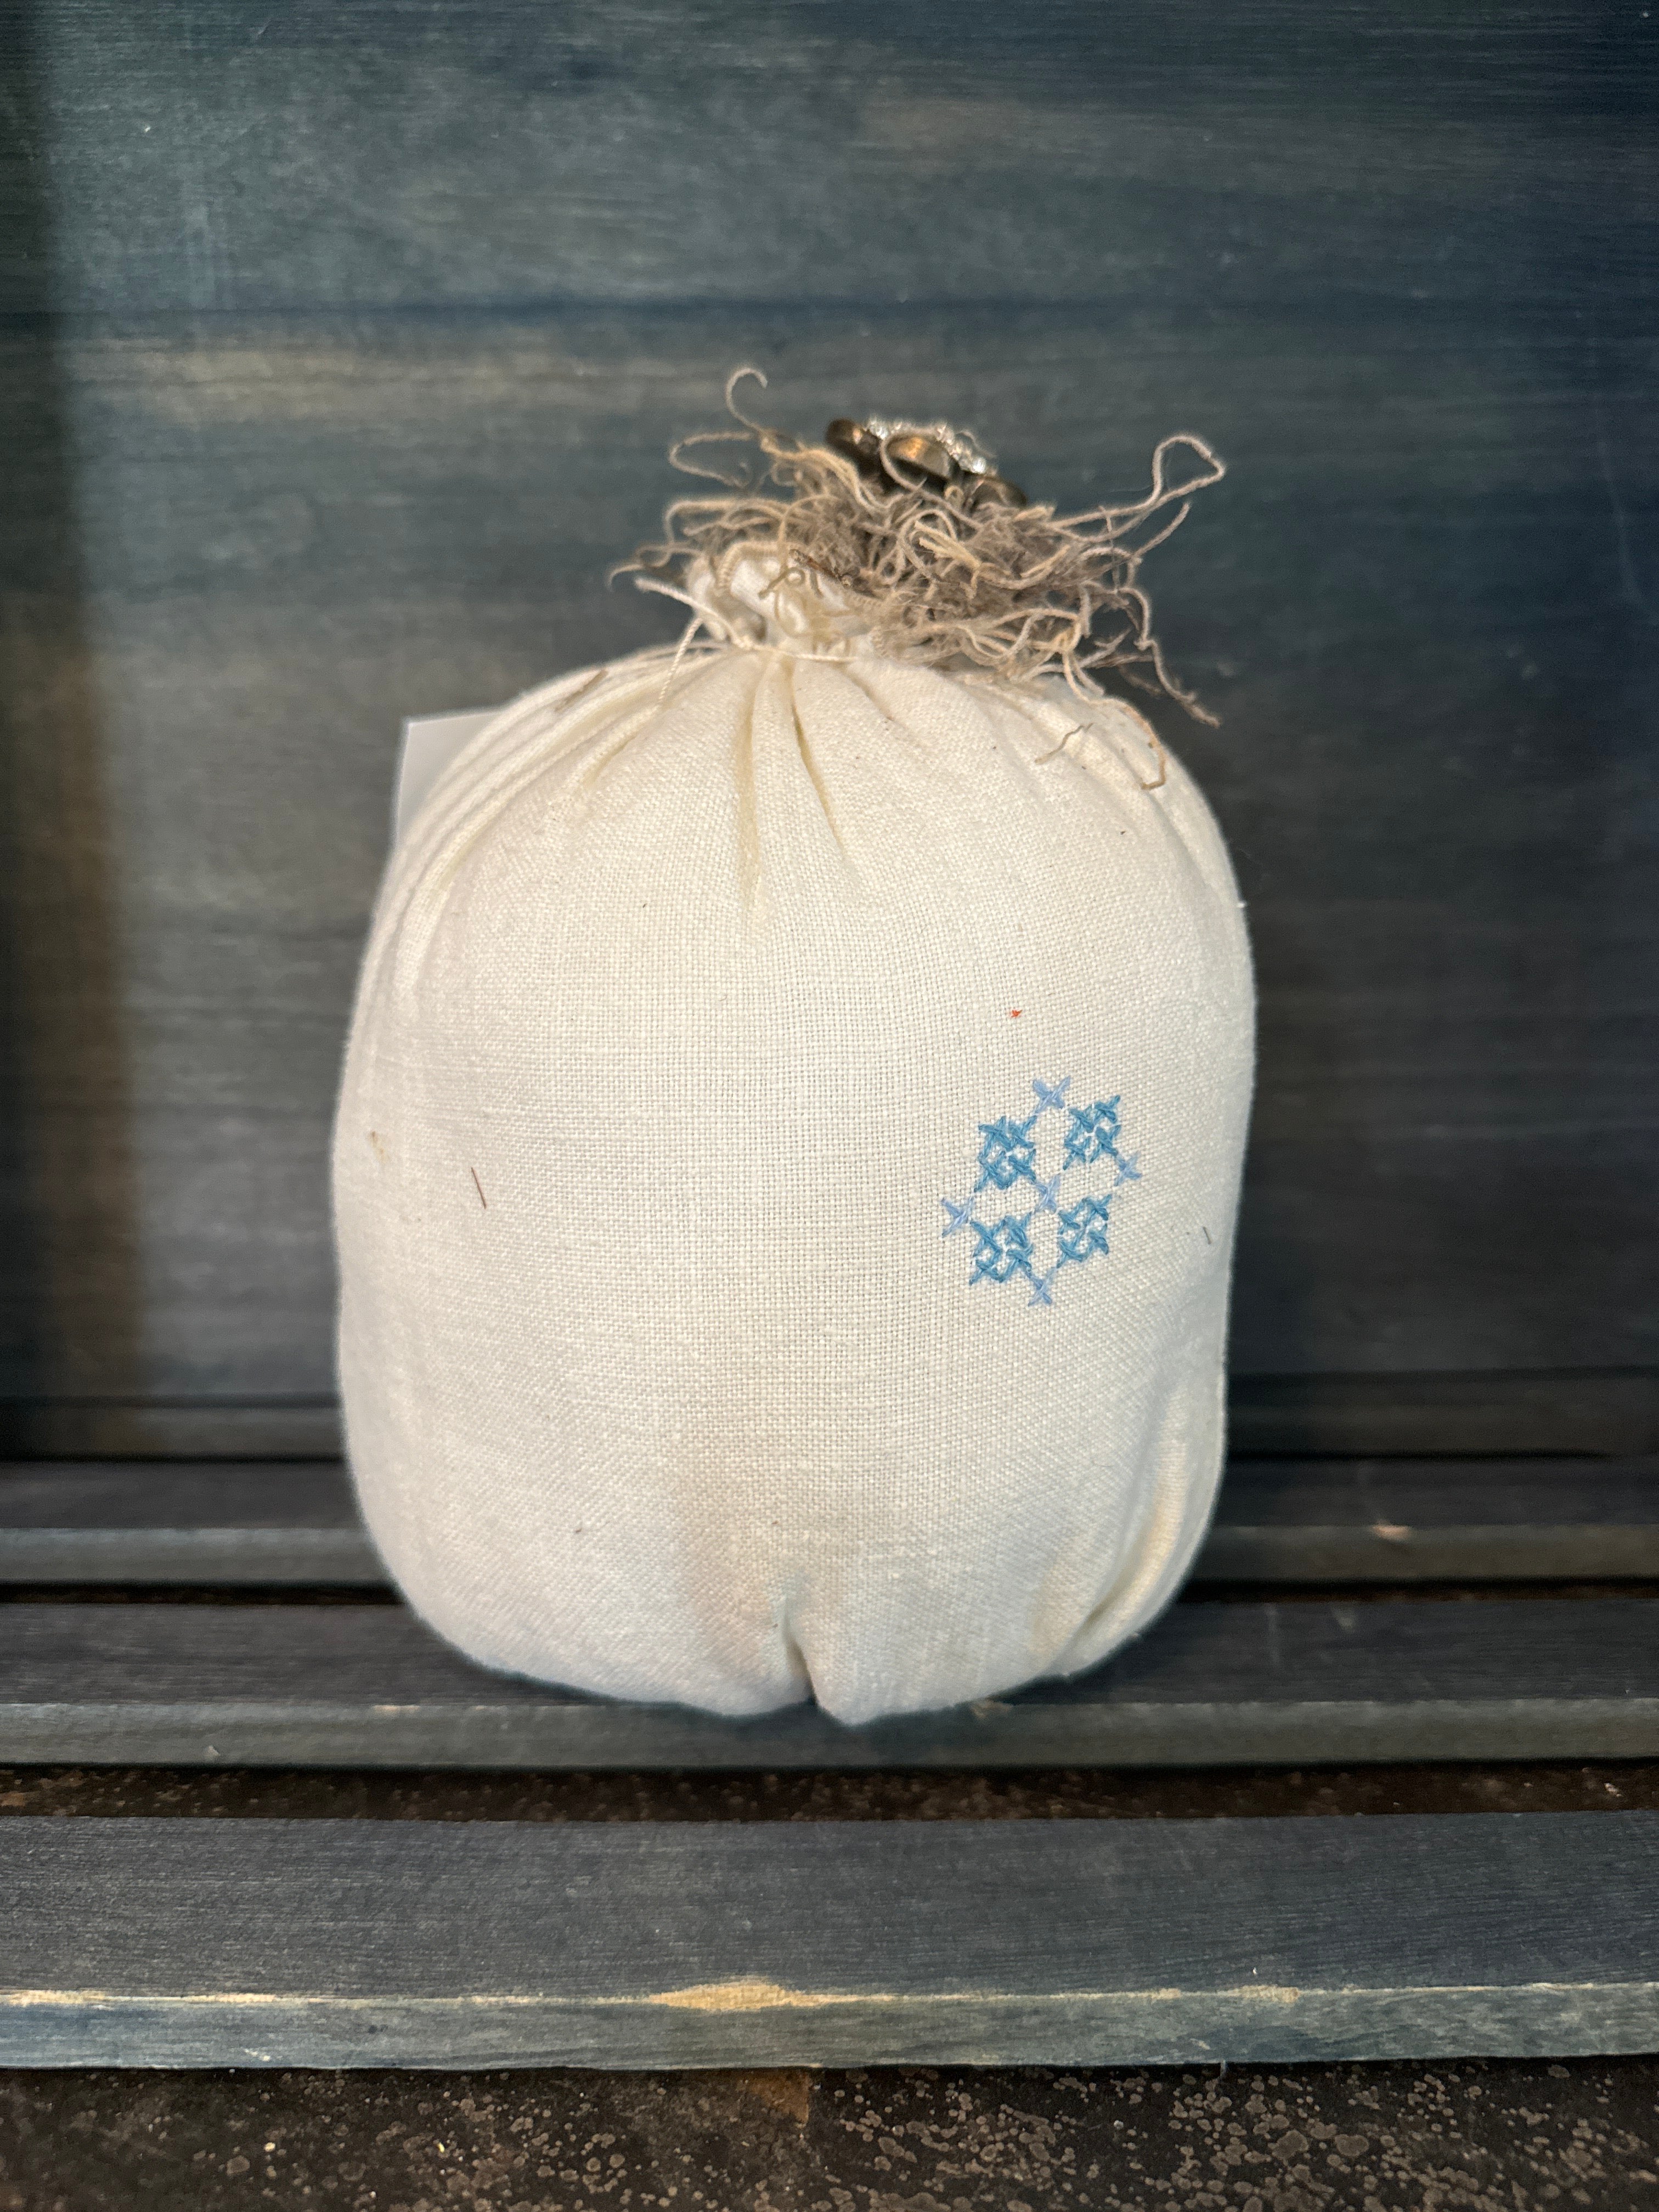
x: 927, y: 573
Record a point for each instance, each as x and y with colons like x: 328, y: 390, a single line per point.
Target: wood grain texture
x: 71, y: 1293
x: 1606, y: 1413
x: 159, y: 1431
x: 363, y: 1943
x: 1612, y: 1413
x: 207, y: 1525
x: 1294, y: 1683
x: 1294, y: 1521
x: 359, y: 342
x: 1462, y: 1092
x: 1423, y: 1521
x: 217, y: 155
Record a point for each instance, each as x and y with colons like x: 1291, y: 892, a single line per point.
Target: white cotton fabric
x: 683, y: 1356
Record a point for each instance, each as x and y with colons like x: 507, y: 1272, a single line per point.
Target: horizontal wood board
x: 352, y: 1943
x: 318, y: 158
x: 1314, y: 1521
x: 346, y: 350
x: 1422, y: 1521
x: 1292, y: 1683
x: 1606, y: 1413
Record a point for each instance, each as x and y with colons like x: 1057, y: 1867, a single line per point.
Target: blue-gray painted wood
x: 1287, y: 1521
x: 221, y: 156
x: 333, y: 1944
x: 160, y: 1430
x: 1611, y: 1413
x: 1219, y: 1684
x: 1426, y: 1521
x: 371, y: 328
x: 1608, y: 1413
x: 210, y: 1524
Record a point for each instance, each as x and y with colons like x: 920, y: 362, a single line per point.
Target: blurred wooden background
x: 341, y: 346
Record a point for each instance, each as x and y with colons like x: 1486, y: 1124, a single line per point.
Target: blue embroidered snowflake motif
x: 1006, y: 1154
x: 1004, y: 1248
x: 1075, y: 1168
x: 1093, y: 1133
x: 1083, y: 1228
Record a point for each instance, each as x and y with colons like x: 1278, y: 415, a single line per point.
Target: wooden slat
x: 224, y: 1523
x: 212, y: 1428
x: 341, y: 160
x: 1599, y: 1412
x: 1420, y: 1520
x: 1217, y: 1683
x: 1605, y: 1412
x: 1309, y: 1521
x: 351, y: 1944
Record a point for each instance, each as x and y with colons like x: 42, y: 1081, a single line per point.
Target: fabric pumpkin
x: 785, y: 1170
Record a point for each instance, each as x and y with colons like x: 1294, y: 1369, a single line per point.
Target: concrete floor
x: 1486, y: 2137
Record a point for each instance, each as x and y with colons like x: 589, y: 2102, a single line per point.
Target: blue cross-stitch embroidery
x: 1083, y: 1228
x: 1076, y: 1154
x: 1004, y: 1249
x: 1006, y: 1154
x: 1093, y: 1133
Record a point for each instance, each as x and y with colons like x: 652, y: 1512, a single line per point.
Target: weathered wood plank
x: 97, y: 1498
x: 1601, y: 1411
x: 206, y: 1524
x: 364, y: 1943
x: 1397, y: 1205
x: 291, y: 1427
x: 349, y: 344
x: 221, y: 158
x: 1610, y: 1411
x: 1307, y: 1521
x: 1293, y: 1684
x: 1427, y: 1521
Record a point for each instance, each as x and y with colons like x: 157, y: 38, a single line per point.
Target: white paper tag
x: 430, y: 743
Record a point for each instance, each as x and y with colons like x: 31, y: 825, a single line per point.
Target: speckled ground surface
x: 1488, y: 2137
x: 1047, y: 1794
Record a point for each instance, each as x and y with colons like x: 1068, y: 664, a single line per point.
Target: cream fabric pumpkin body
x: 785, y: 1175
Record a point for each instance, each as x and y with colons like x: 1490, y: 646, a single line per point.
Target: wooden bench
x: 234, y: 1615
x: 344, y: 350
